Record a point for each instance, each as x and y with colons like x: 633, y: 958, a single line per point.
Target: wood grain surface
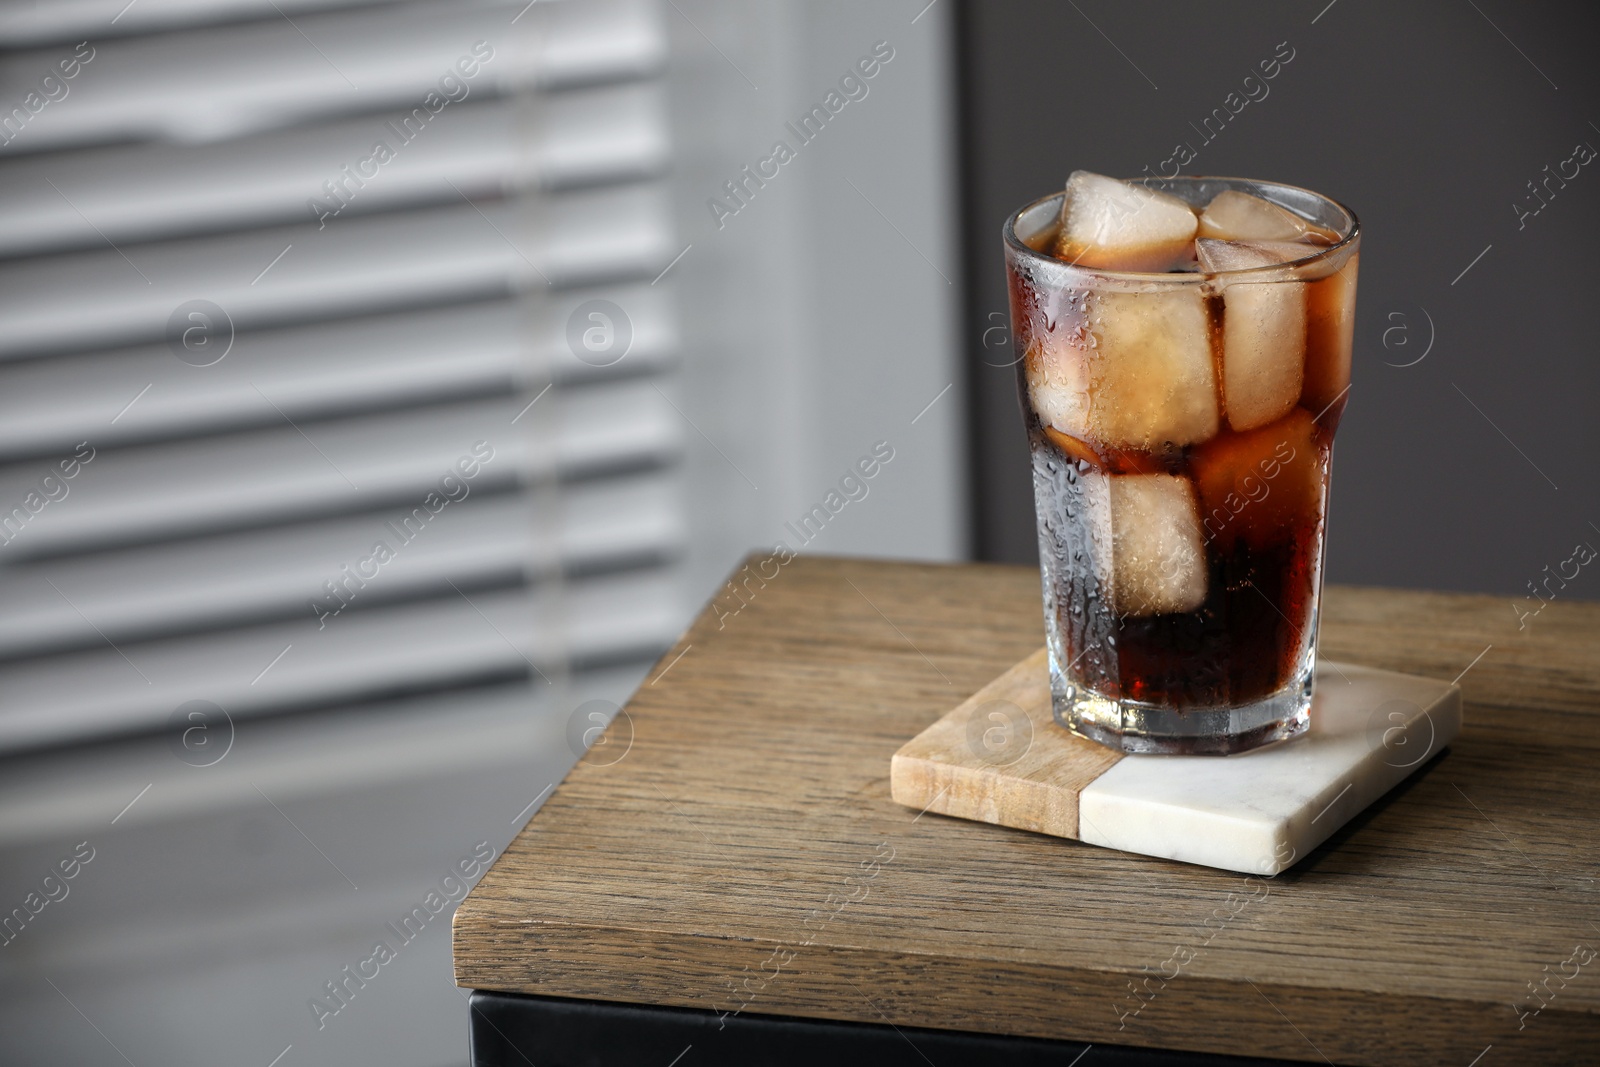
x: 745, y: 855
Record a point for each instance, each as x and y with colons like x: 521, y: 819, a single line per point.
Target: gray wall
x: 1472, y: 469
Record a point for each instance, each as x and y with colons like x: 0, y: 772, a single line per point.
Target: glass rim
x: 1018, y: 246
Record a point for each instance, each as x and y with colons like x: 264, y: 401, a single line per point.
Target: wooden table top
x: 744, y: 855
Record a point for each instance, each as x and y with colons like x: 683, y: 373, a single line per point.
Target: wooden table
x: 744, y: 857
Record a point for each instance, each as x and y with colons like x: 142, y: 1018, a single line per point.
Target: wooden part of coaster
x: 1000, y: 758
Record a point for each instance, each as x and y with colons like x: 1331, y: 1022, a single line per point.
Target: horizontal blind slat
x: 151, y: 491
x: 309, y: 371
x: 220, y: 82
x: 460, y: 252
x: 367, y: 653
x: 208, y: 583
x: 133, y: 193
x: 28, y: 22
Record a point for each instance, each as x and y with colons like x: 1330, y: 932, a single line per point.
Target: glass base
x: 1129, y: 726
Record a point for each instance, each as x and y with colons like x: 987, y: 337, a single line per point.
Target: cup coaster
x: 1001, y: 758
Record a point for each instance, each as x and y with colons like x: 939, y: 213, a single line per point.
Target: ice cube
x: 1236, y: 216
x: 1116, y: 225
x: 1264, y: 486
x: 1158, y: 564
x: 1127, y: 370
x: 1263, y: 331
x: 1215, y: 255
x: 1151, y: 379
x: 1058, y: 381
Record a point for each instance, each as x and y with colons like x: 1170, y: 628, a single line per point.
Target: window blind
x: 262, y: 352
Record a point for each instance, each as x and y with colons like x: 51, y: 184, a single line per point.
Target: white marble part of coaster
x: 1259, y: 812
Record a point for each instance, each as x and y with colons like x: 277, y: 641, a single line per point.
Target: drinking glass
x: 1181, y: 427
